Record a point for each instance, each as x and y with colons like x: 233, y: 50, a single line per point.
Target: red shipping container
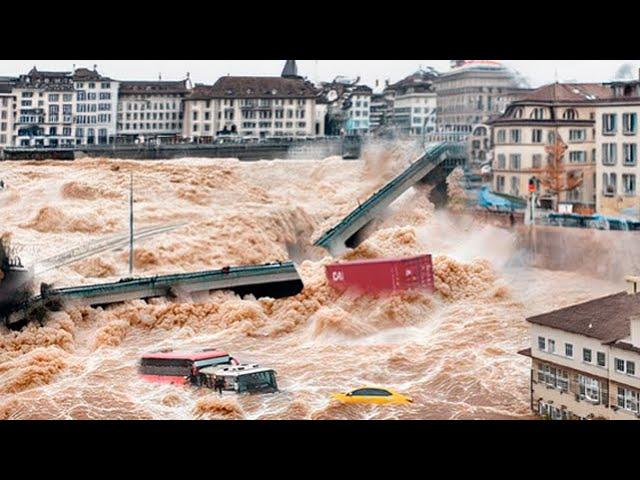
x: 382, y: 275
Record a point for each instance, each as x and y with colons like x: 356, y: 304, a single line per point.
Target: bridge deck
x: 436, y: 154
x: 275, y: 280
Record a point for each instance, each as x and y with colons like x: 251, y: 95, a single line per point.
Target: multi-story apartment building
x: 64, y: 108
x: 479, y: 151
x: 150, y: 110
x: 586, y: 359
x: 251, y: 107
x: 45, y: 106
x: 96, y: 107
x: 521, y: 135
x: 377, y: 112
x: 414, y: 103
x: 472, y: 92
x: 617, y: 138
x: 359, y: 110
x: 7, y: 110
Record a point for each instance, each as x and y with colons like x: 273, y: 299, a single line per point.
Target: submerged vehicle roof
x: 235, y: 370
x: 186, y: 355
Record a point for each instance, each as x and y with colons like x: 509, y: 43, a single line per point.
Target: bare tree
x: 556, y: 176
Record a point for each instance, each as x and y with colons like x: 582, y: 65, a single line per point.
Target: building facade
x: 617, y: 139
x: 7, y: 110
x: 55, y: 109
x: 414, y: 103
x: 472, y: 92
x: 96, y: 106
x: 359, y: 111
x: 521, y: 135
x: 150, y: 111
x: 585, y: 359
x: 259, y: 107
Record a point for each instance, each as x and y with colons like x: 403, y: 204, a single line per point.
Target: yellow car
x: 373, y: 395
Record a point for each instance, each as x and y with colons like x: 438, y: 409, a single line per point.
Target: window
x: 551, y: 344
x: 629, y: 152
x: 628, y: 399
x: 536, y: 135
x: 601, y: 359
x: 629, y: 123
x: 619, y: 365
x: 514, y: 135
x: 631, y: 368
x: 589, y: 388
x: 541, y: 343
x: 502, y: 162
x: 609, y: 151
x: 568, y: 350
x: 586, y: 355
x: 514, y: 161
x: 554, y: 377
x: 577, y: 135
x: 537, y: 113
x: 515, y: 186
x: 570, y: 114
x: 609, y: 124
x: 628, y: 184
x: 609, y: 186
x: 501, y: 137
x: 578, y: 157
x: 500, y: 183
x: 536, y: 160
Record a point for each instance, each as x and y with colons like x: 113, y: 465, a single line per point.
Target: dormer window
x: 537, y: 114
x: 570, y: 114
x: 517, y: 113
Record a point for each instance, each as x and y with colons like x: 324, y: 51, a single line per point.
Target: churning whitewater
x: 454, y: 352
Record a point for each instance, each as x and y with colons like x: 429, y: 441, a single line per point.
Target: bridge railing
x: 431, y: 155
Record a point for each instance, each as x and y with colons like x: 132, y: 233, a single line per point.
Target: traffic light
x: 532, y: 184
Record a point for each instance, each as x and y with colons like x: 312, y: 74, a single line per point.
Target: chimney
x: 634, y: 326
x: 633, y: 284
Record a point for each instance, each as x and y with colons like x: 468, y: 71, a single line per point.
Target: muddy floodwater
x: 454, y: 352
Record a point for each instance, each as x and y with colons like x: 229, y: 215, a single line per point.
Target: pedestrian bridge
x: 432, y: 167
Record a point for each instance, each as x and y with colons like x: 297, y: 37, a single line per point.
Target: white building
x: 45, y: 106
x: 96, y: 107
x: 359, y: 110
x: 252, y: 107
x: 414, y: 103
x: 150, y: 110
x: 7, y: 103
x: 586, y: 359
x: 63, y: 108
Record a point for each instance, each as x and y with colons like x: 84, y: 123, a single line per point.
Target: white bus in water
x: 240, y: 378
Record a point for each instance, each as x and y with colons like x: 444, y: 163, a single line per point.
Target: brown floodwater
x: 454, y: 352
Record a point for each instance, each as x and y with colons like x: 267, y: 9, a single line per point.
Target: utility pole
x: 131, y: 223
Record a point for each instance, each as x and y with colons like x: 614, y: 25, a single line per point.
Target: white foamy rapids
x: 454, y: 351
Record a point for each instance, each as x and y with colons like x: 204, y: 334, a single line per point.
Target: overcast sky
x: 537, y: 72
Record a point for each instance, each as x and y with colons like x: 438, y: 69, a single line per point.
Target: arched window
x: 480, y: 131
x: 570, y: 114
x: 517, y: 113
x: 537, y: 113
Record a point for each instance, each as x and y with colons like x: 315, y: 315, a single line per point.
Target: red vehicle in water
x: 382, y: 275
x: 179, y: 366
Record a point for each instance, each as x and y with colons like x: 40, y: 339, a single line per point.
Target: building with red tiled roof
x: 586, y: 358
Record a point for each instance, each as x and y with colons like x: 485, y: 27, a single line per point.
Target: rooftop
x: 606, y: 318
x: 568, y: 92
x: 166, y: 87
x: 254, y: 87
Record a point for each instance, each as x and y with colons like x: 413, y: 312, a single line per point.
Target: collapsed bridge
x: 274, y: 280
x: 438, y: 160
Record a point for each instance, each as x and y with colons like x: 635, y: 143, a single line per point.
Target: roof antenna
x: 160, y: 76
